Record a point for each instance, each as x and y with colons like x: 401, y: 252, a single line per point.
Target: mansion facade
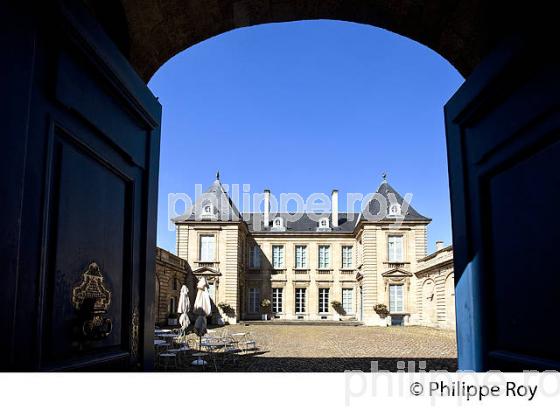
x: 303, y: 265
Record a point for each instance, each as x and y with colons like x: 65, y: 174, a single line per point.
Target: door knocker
x: 92, y: 299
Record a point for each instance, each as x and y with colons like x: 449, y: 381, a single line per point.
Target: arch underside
x: 157, y: 29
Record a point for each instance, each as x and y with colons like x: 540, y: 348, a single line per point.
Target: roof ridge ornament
x: 218, y: 175
x: 384, y: 176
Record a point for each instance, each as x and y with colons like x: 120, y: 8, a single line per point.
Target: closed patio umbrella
x: 183, y: 309
x: 202, y: 308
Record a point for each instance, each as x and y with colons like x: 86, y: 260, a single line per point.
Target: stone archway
x: 150, y: 32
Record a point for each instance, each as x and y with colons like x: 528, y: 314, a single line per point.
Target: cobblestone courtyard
x: 303, y: 348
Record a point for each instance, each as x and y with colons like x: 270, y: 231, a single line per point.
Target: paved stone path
x: 285, y: 348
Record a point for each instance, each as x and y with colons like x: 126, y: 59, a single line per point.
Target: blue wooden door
x: 503, y: 137
x: 80, y: 166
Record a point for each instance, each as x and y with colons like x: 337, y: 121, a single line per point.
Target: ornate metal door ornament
x: 92, y: 299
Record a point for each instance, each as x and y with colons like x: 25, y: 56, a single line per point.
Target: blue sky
x: 307, y: 107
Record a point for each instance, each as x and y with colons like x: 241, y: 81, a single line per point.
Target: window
x: 301, y: 257
x: 277, y: 256
x: 324, y: 256
x: 347, y: 257
x: 278, y: 224
x: 347, y: 300
x: 277, y: 294
x: 300, y: 300
x: 323, y: 300
x: 172, y: 308
x: 324, y: 223
x: 395, y: 248
x: 396, y: 298
x: 175, y: 284
x: 394, y: 210
x: 207, y: 209
x: 255, y: 257
x: 254, y: 300
x: 207, y: 243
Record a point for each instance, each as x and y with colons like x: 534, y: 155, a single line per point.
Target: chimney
x: 439, y: 245
x: 266, y: 219
x: 334, y: 204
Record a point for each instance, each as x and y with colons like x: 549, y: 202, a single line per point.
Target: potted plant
x: 381, y: 310
x: 227, y: 310
x: 338, y: 309
x: 265, y: 308
x: 172, y: 319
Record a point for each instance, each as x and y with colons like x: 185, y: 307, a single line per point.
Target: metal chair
x: 168, y: 359
x: 248, y: 343
x: 231, y: 350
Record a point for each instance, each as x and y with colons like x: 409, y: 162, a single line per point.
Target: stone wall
x: 427, y: 281
x: 172, y: 272
x: 311, y: 278
x: 223, y: 272
x: 435, y: 289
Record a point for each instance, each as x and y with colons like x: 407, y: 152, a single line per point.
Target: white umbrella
x: 202, y: 304
x: 202, y: 308
x: 183, y: 309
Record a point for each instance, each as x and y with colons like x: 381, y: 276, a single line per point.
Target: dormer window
x: 278, y: 224
x: 394, y: 210
x: 324, y: 224
x: 207, y: 209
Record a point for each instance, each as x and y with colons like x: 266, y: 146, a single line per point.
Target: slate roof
x: 303, y: 223
x: 387, y: 191
x: 224, y: 210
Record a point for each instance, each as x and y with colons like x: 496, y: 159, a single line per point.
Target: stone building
x: 436, y: 288
x: 302, y: 263
x: 172, y: 272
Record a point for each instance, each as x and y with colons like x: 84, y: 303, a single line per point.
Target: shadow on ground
x: 256, y: 362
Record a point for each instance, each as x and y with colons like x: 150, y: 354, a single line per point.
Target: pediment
x: 396, y: 273
x: 206, y: 271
